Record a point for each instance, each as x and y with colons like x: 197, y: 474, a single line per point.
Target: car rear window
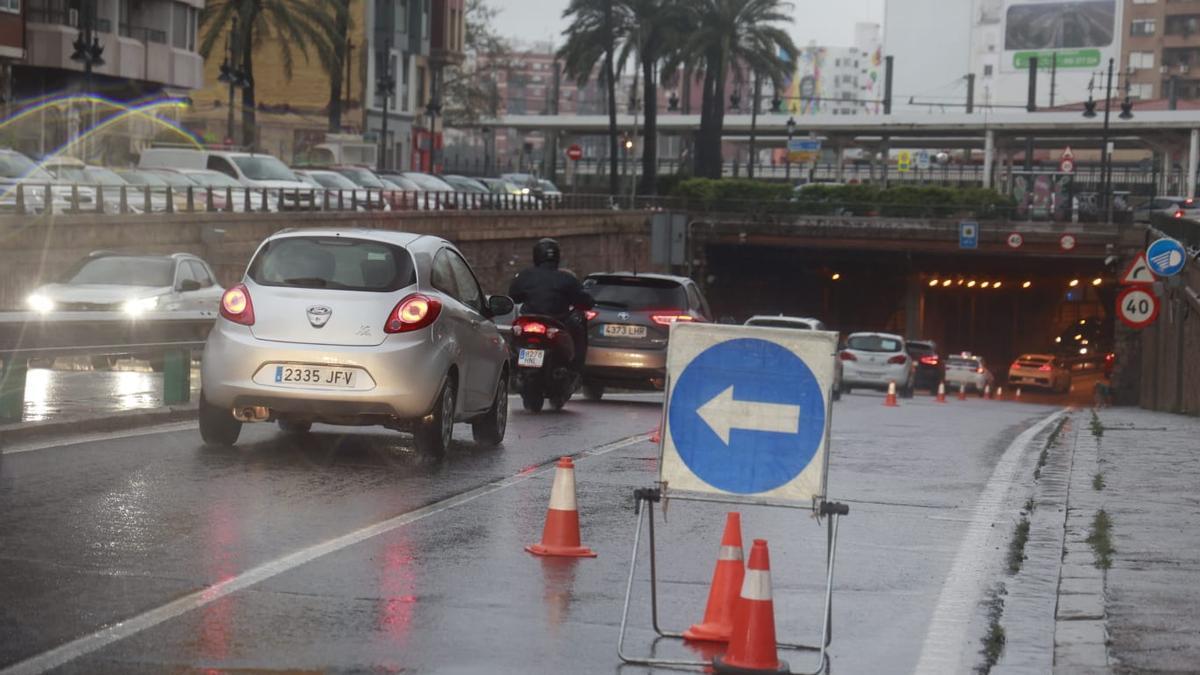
x: 1033, y: 360
x: 959, y: 362
x: 636, y: 293
x: 337, y: 263
x: 773, y: 323
x: 873, y: 343
x: 920, y: 348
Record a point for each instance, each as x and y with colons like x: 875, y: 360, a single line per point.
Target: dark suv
x: 931, y: 368
x: 628, y: 328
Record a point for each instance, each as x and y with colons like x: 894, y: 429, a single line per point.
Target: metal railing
x: 165, y: 337
x: 63, y: 17
x: 144, y: 33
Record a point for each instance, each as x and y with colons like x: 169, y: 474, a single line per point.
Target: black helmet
x: 546, y: 251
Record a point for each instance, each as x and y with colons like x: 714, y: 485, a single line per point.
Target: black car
x: 931, y: 368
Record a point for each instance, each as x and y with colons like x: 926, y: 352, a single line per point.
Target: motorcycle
x: 545, y: 353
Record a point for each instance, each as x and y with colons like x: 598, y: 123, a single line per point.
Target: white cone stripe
x: 891, y: 387
x: 562, y: 494
x: 730, y: 553
x: 757, y: 585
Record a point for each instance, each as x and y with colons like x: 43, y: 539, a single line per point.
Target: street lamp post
x: 787, y: 154
x: 231, y: 74
x: 1089, y: 111
x: 433, y: 108
x: 385, y: 86
x: 88, y: 51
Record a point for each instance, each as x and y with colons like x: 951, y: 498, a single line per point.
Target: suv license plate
x: 531, y: 358
x: 621, y: 330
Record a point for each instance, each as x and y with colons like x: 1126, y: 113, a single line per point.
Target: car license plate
x: 531, y: 358
x: 622, y: 330
x: 314, y: 376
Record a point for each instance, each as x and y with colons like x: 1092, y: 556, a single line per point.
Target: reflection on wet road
x: 52, y: 394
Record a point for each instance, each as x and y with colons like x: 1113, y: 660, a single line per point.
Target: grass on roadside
x: 993, y: 639
x: 1050, y: 442
x: 1100, y: 539
x: 1016, y: 547
x: 1098, y: 482
x: 1097, y: 426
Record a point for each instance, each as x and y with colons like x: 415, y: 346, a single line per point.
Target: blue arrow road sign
x: 747, y: 416
x: 968, y: 234
x: 1166, y: 257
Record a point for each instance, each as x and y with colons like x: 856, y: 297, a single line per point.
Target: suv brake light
x: 898, y: 360
x: 591, y: 314
x: 847, y: 356
x: 414, y: 312
x: 236, y: 305
x: 930, y: 360
x: 668, y: 319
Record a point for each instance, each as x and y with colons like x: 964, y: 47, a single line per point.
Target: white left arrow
x: 723, y: 414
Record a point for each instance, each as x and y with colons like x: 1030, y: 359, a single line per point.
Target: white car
x: 1040, y: 370
x: 131, y: 283
x: 875, y: 360
x: 257, y: 171
x: 800, y: 323
x: 968, y: 372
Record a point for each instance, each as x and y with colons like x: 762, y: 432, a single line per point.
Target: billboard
x: 1078, y: 34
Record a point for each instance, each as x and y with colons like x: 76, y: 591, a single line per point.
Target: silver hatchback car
x: 357, y: 327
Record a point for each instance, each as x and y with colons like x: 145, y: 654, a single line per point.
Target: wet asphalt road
x: 256, y: 559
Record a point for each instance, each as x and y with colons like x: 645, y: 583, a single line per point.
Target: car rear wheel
x: 434, y: 431
x: 217, y: 425
x: 593, y: 392
x: 490, y: 429
x: 294, y: 427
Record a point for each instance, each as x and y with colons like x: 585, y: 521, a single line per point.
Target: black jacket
x: 544, y: 289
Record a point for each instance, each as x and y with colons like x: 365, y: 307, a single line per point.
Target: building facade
x: 1161, y: 50
x: 838, y: 80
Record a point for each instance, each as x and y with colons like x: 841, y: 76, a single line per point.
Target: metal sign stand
x: 650, y: 496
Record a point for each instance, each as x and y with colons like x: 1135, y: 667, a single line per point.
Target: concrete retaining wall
x: 1170, y: 350
x: 35, y: 250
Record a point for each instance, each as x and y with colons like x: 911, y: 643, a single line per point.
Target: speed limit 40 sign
x: 1137, y: 307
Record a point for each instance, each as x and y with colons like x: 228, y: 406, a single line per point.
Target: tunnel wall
x: 37, y: 250
x: 1167, y: 360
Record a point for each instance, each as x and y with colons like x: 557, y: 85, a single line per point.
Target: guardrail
x: 165, y: 337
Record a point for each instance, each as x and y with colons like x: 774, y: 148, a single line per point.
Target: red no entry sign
x: 574, y: 153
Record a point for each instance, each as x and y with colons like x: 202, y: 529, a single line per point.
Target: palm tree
x: 728, y: 35
x: 653, y: 30
x: 287, y: 24
x: 340, y: 42
x: 591, y: 38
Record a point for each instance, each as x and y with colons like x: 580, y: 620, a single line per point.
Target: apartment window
x: 183, y: 26
x: 1141, y: 60
x: 402, y: 76
x: 1144, y: 2
x: 987, y: 70
x: 1143, y: 91
x: 1183, y: 24
x: 425, y: 20
x: 10, y: 6
x: 1141, y: 27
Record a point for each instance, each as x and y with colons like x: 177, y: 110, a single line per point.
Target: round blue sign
x: 747, y: 416
x: 1166, y: 257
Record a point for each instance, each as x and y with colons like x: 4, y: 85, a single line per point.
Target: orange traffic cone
x: 941, y: 395
x: 999, y: 393
x: 987, y: 391
x: 752, y: 648
x: 656, y: 435
x: 890, y: 401
x: 561, y: 534
x: 726, y: 584
x: 1018, y: 393
x: 962, y: 392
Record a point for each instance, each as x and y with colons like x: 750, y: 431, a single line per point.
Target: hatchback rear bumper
x: 627, y: 368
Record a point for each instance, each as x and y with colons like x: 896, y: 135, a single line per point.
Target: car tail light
x: 1189, y: 203
x: 979, y: 370
x: 533, y: 327
x: 1045, y: 368
x: 898, y: 360
x: 591, y: 314
x: 930, y: 360
x: 668, y: 319
x: 414, y: 312
x: 1110, y: 357
x: 1179, y: 214
x: 236, y: 305
x: 847, y: 356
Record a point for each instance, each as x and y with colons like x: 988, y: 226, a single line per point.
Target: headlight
x: 139, y: 305
x: 40, y: 303
x: 524, y: 191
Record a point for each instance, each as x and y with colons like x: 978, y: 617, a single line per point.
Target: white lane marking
x: 946, y: 639
x: 87, y: 644
x: 99, y: 436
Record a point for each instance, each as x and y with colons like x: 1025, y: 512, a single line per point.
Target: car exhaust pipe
x: 256, y: 413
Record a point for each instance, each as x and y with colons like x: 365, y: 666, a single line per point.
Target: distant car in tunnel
x: 969, y: 372
x: 800, y: 323
x: 1040, y: 370
x: 931, y: 369
x: 874, y: 360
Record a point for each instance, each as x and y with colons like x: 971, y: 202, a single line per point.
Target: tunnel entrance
x: 997, y: 306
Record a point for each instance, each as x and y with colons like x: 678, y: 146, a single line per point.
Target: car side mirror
x: 188, y: 285
x: 499, y: 305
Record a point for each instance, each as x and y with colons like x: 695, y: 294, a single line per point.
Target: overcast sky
x: 830, y: 23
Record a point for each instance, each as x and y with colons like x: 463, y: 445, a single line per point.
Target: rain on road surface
x: 256, y: 558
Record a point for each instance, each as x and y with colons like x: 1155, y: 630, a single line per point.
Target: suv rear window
x: 336, y: 263
x: 920, y: 348
x: 636, y: 293
x: 873, y: 343
x: 774, y: 323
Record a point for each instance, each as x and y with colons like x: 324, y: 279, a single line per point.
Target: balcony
x: 63, y: 17
x: 143, y: 34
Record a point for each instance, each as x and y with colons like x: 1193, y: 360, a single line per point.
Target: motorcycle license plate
x: 531, y: 358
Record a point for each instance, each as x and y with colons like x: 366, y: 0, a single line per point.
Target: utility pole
x: 753, y: 123
x: 385, y: 86
x: 232, y: 74
x: 1031, y: 106
x: 888, y: 64
x: 970, y: 93
x: 1053, y: 76
x: 89, y: 52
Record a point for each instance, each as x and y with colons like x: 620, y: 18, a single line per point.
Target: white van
x: 254, y: 170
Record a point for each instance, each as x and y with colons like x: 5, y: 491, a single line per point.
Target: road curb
x: 25, y: 432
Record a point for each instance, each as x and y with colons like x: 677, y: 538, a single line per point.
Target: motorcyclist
x: 544, y: 289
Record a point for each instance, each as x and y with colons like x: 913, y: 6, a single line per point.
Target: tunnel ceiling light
x: 1073, y: 283
x: 1097, y: 281
x: 996, y: 285
x: 1027, y: 284
x: 1058, y: 340
x: 946, y: 283
x: 985, y: 284
x: 960, y: 282
x: 933, y: 282
x: 836, y: 276
x: 971, y: 284
x: 1078, y: 337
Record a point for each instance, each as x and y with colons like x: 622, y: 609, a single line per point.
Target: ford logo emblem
x: 318, y: 315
